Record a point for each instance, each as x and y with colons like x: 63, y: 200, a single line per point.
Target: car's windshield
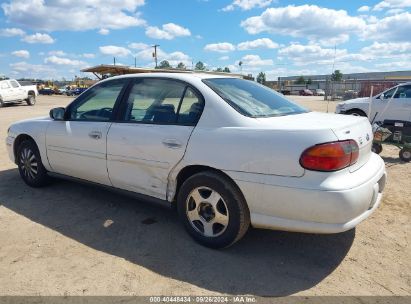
x: 252, y: 99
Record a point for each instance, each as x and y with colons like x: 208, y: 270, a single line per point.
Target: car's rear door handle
x: 95, y: 134
x: 172, y: 143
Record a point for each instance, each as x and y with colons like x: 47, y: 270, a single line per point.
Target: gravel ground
x: 75, y: 239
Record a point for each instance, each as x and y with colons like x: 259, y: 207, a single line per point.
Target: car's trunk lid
x: 343, y: 126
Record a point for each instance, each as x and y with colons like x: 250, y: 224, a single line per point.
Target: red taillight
x: 330, y: 156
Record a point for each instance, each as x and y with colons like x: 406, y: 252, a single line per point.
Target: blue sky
x: 57, y: 38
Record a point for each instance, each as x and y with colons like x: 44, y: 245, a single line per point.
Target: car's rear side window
x: 252, y: 99
x: 162, y: 101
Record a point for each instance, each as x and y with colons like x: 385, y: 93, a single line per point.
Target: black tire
x: 376, y: 148
x: 231, y: 203
x: 31, y: 100
x: 356, y: 112
x: 2, y: 104
x: 405, y: 155
x: 30, y: 166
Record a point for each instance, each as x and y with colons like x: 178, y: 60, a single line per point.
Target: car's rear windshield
x: 253, y: 99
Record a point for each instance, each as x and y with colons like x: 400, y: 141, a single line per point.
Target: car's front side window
x: 14, y: 84
x: 98, y: 103
x: 162, y: 101
x: 252, y: 99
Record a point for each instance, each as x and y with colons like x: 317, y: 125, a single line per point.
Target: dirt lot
x: 74, y: 239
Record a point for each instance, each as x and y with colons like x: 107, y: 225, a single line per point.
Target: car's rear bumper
x: 302, y: 209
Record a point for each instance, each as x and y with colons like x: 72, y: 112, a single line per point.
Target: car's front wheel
x: 30, y: 166
x: 213, y: 210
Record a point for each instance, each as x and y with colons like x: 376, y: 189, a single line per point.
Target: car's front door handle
x: 172, y: 143
x: 95, y: 134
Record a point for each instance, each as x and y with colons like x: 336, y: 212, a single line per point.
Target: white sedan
x: 228, y: 152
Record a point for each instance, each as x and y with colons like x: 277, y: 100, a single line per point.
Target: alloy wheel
x: 207, y: 212
x: 28, y: 163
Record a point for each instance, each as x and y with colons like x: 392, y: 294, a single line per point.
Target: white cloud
x: 146, y: 55
x: 255, y: 61
x: 262, y: 43
x: 224, y: 58
x: 25, y: 69
x: 64, y: 61
x: 38, y: 38
x: 246, y: 5
x: 364, y: 8
x: 21, y: 53
x: 388, y: 4
x: 312, y: 53
x: 391, y: 28
x: 57, y: 53
x: 138, y: 46
x: 10, y: 32
x: 88, y: 55
x: 168, y: 31
x: 104, y: 31
x: 388, y: 49
x: 309, y: 21
x: 221, y: 47
x: 394, y: 11
x: 114, y: 50
x: 76, y: 15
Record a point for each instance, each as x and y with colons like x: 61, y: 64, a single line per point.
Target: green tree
x: 300, y: 80
x: 181, y: 66
x: 164, y: 65
x: 218, y: 69
x: 309, y: 81
x: 200, y: 66
x: 226, y: 70
x: 261, y: 78
x: 337, y: 75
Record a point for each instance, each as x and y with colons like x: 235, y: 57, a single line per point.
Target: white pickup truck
x: 11, y: 92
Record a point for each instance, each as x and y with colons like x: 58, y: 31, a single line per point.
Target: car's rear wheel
x: 30, y: 166
x: 2, y: 104
x: 213, y: 210
x: 356, y: 113
x: 31, y: 100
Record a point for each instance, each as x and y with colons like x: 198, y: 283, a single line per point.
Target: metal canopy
x: 104, y: 69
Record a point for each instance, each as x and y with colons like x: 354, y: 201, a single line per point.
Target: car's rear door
x: 77, y: 146
x: 151, y: 134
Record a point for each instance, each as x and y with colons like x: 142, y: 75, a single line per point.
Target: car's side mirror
x: 57, y: 113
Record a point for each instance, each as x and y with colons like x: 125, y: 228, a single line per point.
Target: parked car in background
x: 46, y: 91
x: 75, y: 92
x: 210, y: 145
x: 60, y: 91
x: 319, y: 92
x: 306, y: 92
x: 350, y: 94
x: 12, y: 92
x: 392, y: 104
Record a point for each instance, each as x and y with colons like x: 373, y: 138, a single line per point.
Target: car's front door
x: 157, y: 119
x: 17, y: 91
x: 394, y: 104
x: 77, y: 146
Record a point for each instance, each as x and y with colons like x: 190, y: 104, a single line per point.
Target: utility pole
x: 114, y: 60
x: 155, y: 53
x: 135, y: 62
